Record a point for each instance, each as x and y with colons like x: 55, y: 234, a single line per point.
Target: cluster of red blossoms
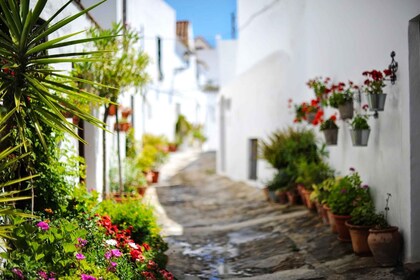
x: 375, y: 80
x: 7, y: 70
x: 136, y: 252
x: 311, y: 112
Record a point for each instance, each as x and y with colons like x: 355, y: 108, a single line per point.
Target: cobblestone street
x: 220, y: 229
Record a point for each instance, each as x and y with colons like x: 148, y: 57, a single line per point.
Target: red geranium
x: 375, y: 80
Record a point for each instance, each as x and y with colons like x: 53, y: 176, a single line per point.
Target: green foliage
x: 360, y: 122
x: 50, y: 250
x: 198, y: 134
x: 310, y: 173
x: 118, y: 69
x: 322, y: 191
x: 365, y: 215
x: 328, y: 124
x: 347, y: 193
x: 182, y: 129
x: 280, y: 180
x: 284, y: 149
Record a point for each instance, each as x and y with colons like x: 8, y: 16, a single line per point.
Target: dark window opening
x: 159, y: 58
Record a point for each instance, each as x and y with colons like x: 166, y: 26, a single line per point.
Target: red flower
x: 135, y: 254
x: 387, y: 72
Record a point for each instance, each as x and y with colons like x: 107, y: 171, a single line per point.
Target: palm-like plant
x: 28, y: 85
x: 31, y: 97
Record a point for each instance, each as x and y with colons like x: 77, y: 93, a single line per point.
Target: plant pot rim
x: 330, y: 129
x: 376, y: 93
x: 388, y: 229
x: 342, y: 216
x: 351, y: 129
x: 357, y: 227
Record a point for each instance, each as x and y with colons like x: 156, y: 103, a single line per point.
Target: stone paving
x: 220, y: 229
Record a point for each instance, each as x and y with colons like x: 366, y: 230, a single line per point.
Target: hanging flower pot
x: 376, y: 101
x: 126, y: 112
x: 112, y: 110
x: 346, y: 110
x: 310, y: 117
x: 360, y: 137
x: 331, y: 136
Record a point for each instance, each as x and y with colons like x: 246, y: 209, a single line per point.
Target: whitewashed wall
x: 290, y: 42
x: 93, y: 149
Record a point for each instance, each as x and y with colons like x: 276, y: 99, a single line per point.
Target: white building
x: 283, y: 44
x: 174, y: 88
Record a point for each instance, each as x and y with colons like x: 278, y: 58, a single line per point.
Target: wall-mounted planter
x: 310, y: 117
x: 331, y: 136
x: 360, y: 137
x: 346, y: 110
x: 376, y: 101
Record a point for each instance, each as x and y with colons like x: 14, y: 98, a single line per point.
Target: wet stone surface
x: 229, y: 231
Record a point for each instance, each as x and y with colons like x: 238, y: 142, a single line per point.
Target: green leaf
x: 39, y: 256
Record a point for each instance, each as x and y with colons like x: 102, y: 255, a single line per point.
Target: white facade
x: 173, y: 88
x: 283, y: 44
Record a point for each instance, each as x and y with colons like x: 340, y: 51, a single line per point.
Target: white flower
x: 111, y: 242
x: 133, y: 245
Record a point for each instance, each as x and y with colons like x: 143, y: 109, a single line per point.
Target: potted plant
x: 320, y: 195
x: 363, y: 218
x: 310, y: 112
x: 360, y: 130
x: 373, y: 86
x: 277, y: 187
x: 345, y: 195
x: 330, y: 130
x: 342, y: 99
x: 310, y: 174
x: 321, y: 87
x: 384, y: 240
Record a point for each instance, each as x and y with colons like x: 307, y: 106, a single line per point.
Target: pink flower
x: 116, y: 253
x: 343, y: 191
x: 365, y: 187
x: 87, y: 277
x: 352, y: 169
x: 108, y: 255
x: 43, y: 274
x: 82, y: 242
x: 80, y: 256
x: 18, y: 273
x: 43, y: 225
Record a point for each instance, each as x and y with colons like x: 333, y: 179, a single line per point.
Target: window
x: 159, y: 58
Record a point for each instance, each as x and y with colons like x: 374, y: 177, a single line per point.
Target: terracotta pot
x: 172, y: 147
x: 359, y: 236
x: 112, y: 110
x: 141, y: 190
x: 323, y: 214
x: 385, y: 245
x: 155, y: 176
x: 309, y: 204
x: 343, y: 231
x: 270, y: 195
x: 281, y: 197
x: 300, y: 189
x: 330, y: 219
x: 292, y: 197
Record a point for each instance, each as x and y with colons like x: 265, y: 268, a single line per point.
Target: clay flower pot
x: 292, y: 197
x: 343, y: 231
x: 309, y: 204
x: 330, y: 219
x: 385, y: 245
x: 281, y: 197
x: 112, y: 110
x: 300, y: 189
x: 359, y: 236
x: 155, y: 176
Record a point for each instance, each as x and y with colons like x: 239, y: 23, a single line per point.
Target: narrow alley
x: 220, y: 229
